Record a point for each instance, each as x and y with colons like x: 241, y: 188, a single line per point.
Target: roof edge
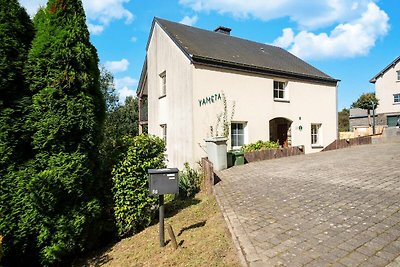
x: 394, y: 62
x: 253, y: 69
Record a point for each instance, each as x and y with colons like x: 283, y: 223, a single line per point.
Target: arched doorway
x: 280, y: 131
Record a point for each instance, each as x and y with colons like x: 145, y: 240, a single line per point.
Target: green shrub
x: 260, y: 145
x: 189, y: 182
x: 134, y: 207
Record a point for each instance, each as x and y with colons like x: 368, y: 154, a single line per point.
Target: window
x: 396, y: 98
x: 398, y: 75
x: 279, y: 90
x: 315, y: 134
x: 237, y: 134
x: 163, y: 77
x: 164, y: 133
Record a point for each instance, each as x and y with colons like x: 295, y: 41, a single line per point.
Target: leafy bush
x: 189, y: 182
x: 260, y: 145
x: 134, y: 206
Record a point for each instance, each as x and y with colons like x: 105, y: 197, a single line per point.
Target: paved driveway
x: 336, y: 208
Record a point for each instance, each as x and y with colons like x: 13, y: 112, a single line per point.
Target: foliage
x: 189, y: 182
x: 260, y: 145
x: 133, y: 205
x: 53, y: 205
x: 16, y: 34
x: 108, y: 90
x: 343, y: 118
x: 366, y: 101
x: 224, y: 117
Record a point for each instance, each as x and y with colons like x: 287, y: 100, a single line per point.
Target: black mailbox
x: 163, y: 181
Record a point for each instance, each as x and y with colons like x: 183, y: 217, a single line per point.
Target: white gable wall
x: 175, y: 109
x: 385, y: 86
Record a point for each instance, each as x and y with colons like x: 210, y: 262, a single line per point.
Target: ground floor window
x: 396, y: 98
x: 164, y: 133
x: 237, y: 134
x: 316, y: 134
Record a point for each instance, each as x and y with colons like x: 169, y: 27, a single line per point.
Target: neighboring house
x: 277, y: 96
x: 387, y: 90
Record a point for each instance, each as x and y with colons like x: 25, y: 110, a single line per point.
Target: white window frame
x: 316, y: 134
x: 398, y: 75
x: 281, y: 89
x: 234, y: 139
x: 164, y: 131
x: 163, y: 84
x: 396, y: 99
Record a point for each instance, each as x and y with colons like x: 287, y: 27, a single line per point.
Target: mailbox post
x: 163, y: 181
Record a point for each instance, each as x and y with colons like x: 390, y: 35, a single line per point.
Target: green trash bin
x: 238, y: 157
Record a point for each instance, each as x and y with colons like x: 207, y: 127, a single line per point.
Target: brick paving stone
x: 338, y: 207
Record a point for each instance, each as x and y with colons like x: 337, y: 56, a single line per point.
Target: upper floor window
x: 398, y: 75
x: 316, y: 134
x: 237, y: 134
x: 280, y: 90
x: 396, y: 98
x: 163, y: 77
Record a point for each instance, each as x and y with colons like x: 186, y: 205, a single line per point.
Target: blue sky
x: 349, y: 40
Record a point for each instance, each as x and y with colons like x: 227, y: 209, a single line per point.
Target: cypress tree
x: 16, y: 34
x: 65, y: 119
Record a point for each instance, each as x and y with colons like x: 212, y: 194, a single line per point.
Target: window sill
x: 162, y: 96
x: 316, y: 146
x: 281, y: 100
x: 396, y: 103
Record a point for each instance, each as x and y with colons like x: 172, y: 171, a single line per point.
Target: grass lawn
x: 201, y: 233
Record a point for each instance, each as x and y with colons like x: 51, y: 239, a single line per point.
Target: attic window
x: 398, y: 75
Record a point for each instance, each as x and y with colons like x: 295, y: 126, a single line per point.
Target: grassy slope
x: 199, y: 229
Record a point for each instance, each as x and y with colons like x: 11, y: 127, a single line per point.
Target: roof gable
x: 218, y: 49
x: 392, y: 64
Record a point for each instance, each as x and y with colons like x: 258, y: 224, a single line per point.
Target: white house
x: 277, y: 96
x: 387, y: 90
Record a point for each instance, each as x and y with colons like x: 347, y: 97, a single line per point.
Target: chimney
x: 223, y: 30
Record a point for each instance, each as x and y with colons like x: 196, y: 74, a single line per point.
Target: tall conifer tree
x: 16, y: 34
x: 65, y: 120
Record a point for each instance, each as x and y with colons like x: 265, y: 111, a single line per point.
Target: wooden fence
x: 343, y: 143
x: 208, y: 172
x: 273, y: 153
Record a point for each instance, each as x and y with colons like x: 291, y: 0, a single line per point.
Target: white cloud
x: 311, y: 14
x: 133, y: 39
x: 95, y: 29
x: 126, y: 86
x: 346, y: 40
x: 99, y: 13
x: 117, y: 66
x: 190, y: 21
x: 286, y: 39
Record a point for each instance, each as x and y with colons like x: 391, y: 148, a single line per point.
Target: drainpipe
x: 337, y: 115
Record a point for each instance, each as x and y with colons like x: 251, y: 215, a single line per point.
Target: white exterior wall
x: 253, y: 95
x: 175, y: 109
x: 188, y: 123
x: 385, y: 86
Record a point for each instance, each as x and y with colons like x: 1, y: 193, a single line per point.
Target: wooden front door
x: 282, y: 135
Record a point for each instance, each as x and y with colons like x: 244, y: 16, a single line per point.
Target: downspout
x: 337, y: 115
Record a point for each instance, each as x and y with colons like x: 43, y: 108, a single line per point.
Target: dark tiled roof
x: 394, y: 62
x: 218, y: 49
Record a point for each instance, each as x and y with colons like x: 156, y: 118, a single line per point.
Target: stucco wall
x: 385, y: 87
x: 175, y: 109
x: 253, y: 95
